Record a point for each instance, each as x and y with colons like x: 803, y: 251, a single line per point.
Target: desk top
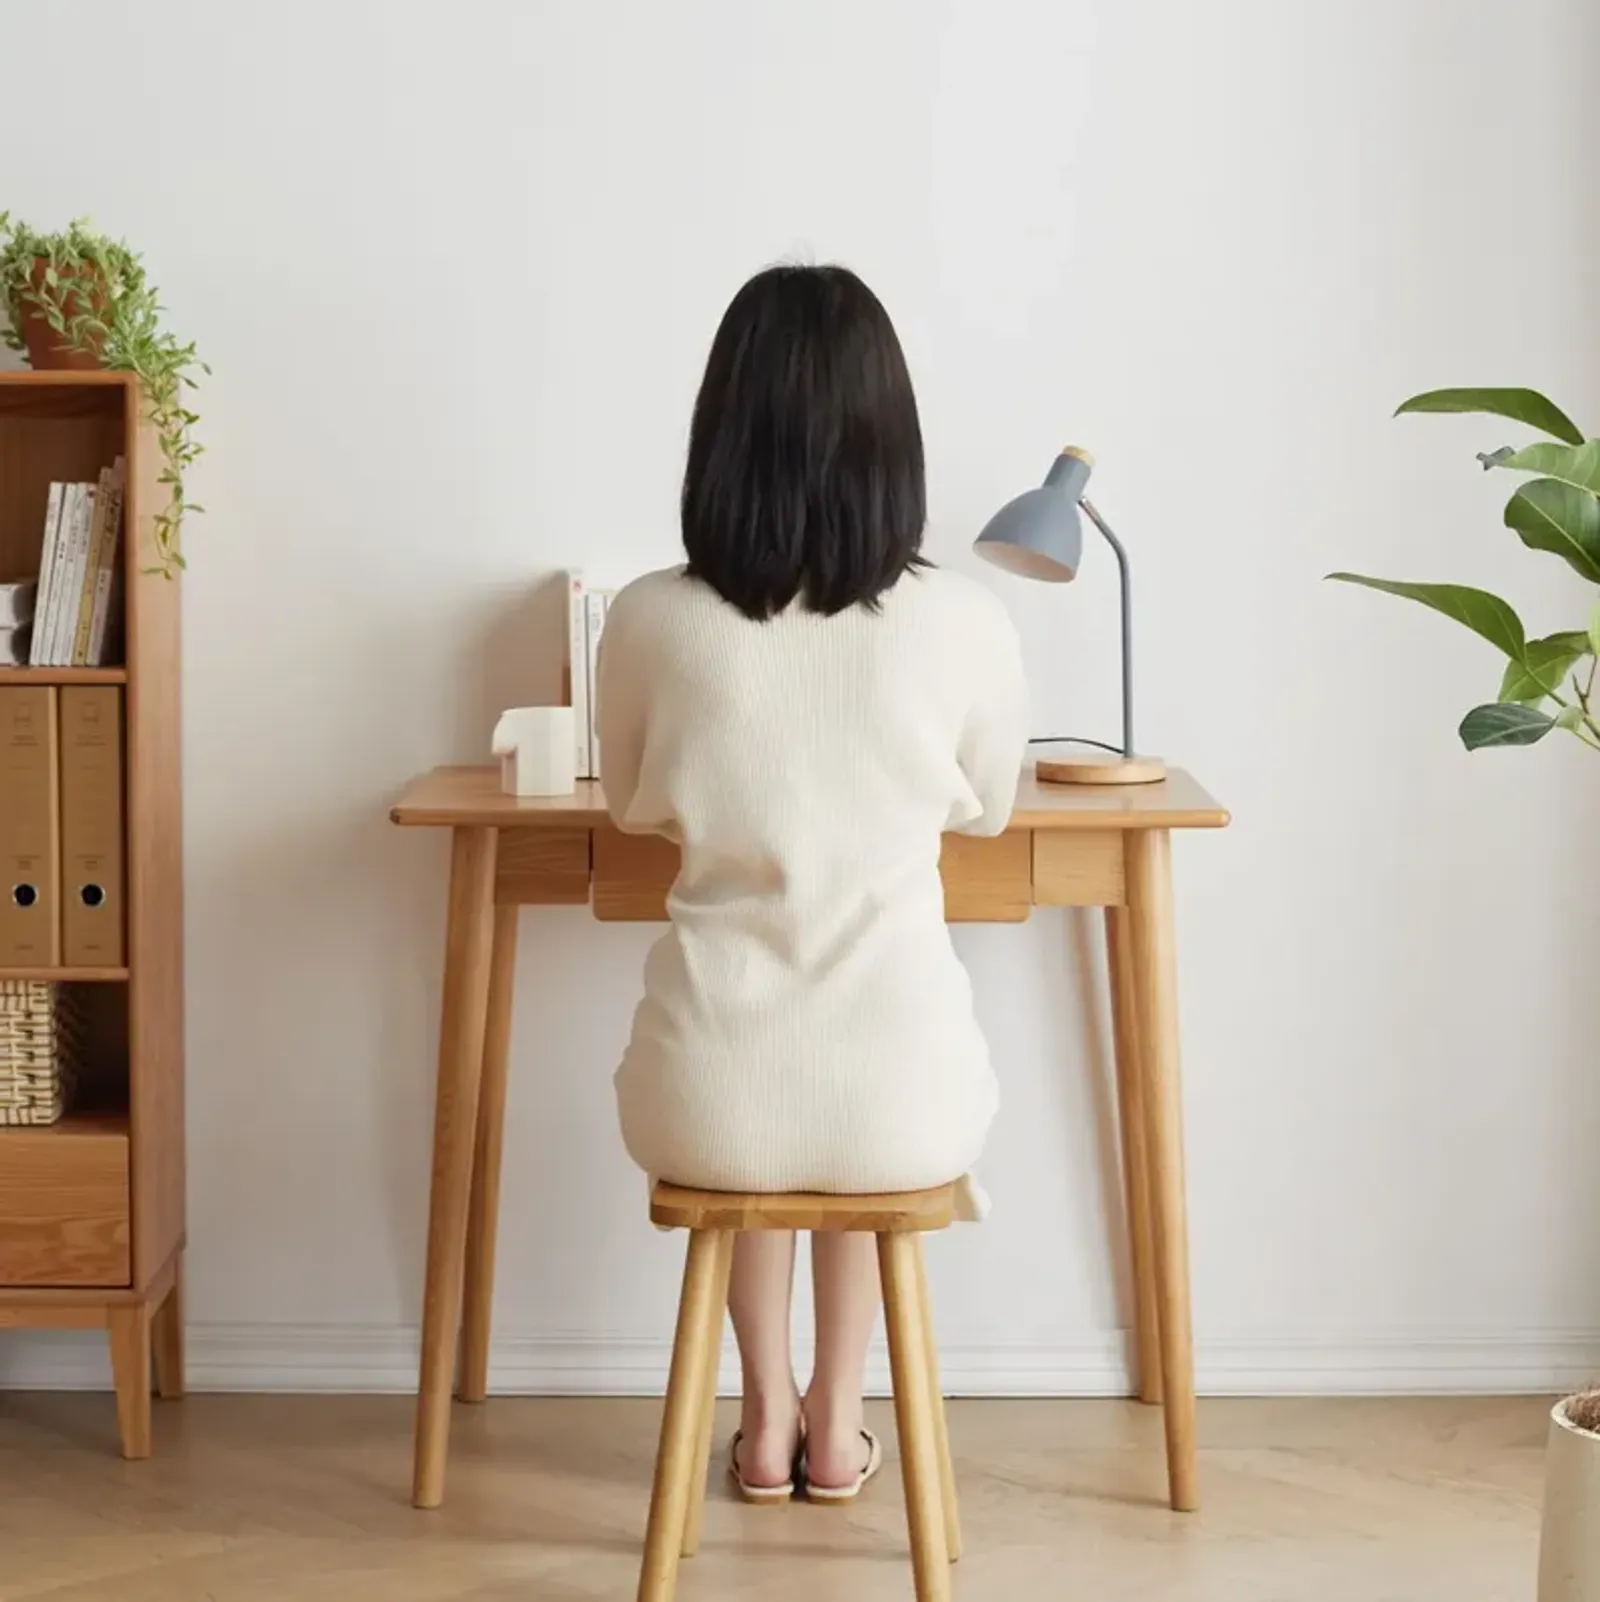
x: 472, y: 798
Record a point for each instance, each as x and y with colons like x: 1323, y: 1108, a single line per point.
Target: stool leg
x: 682, y: 1418
x: 941, y: 1425
x: 699, y: 1488
x: 914, y: 1417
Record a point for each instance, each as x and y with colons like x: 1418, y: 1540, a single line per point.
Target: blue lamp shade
x: 1039, y: 535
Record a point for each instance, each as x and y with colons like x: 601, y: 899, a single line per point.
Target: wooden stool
x: 714, y: 1218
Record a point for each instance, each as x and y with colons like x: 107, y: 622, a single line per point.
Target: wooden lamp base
x: 1085, y: 766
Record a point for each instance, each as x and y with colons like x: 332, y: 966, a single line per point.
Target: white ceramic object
x: 1569, y: 1544
x: 536, y: 746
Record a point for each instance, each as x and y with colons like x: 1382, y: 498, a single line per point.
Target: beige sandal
x: 760, y: 1495
x: 836, y: 1494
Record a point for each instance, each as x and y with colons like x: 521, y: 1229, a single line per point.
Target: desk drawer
x: 64, y: 1204
x: 985, y: 881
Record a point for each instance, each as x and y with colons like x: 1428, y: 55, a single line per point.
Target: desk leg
x: 455, y: 1120
x: 484, y: 1215
x: 1135, y: 1152
x: 1149, y: 862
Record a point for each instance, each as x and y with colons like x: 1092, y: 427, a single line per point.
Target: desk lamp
x: 1039, y: 535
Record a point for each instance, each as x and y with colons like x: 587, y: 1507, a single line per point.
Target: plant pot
x: 1569, y: 1543
x: 46, y: 352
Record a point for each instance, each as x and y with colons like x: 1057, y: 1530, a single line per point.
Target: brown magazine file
x: 30, y: 907
x: 91, y: 827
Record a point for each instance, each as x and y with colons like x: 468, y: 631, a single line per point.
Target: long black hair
x: 805, y: 473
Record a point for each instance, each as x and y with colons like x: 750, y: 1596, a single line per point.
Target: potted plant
x: 1547, y: 683
x: 77, y: 300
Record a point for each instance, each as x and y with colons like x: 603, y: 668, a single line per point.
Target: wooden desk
x: 1066, y: 847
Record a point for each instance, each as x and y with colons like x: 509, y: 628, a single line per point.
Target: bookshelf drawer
x: 64, y: 1204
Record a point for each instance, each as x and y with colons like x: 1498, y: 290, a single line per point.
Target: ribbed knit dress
x: 806, y: 1023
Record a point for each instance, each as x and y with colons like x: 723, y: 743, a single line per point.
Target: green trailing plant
x: 1548, y: 683
x: 98, y: 301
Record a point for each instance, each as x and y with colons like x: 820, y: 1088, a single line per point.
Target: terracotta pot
x: 46, y: 353
x: 1569, y: 1544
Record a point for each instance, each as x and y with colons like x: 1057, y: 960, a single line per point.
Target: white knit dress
x: 806, y: 1024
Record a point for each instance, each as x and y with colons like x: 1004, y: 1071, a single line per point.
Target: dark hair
x: 805, y: 473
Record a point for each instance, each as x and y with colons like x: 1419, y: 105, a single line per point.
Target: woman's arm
x: 994, y: 740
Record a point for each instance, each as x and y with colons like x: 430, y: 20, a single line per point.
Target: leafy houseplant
x: 79, y: 300
x: 1548, y: 683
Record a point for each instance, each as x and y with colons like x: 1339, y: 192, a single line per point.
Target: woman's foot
x: 769, y: 1442
x: 837, y: 1447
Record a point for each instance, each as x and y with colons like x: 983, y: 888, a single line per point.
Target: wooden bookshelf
x: 92, y: 1208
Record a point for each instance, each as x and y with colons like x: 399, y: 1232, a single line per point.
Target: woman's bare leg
x: 760, y: 1298
x: 844, y: 1270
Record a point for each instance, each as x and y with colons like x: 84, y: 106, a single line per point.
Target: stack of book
x: 16, y: 620
x: 76, y: 599
x: 586, y: 620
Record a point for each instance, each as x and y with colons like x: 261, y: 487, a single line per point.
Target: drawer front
x: 1078, y: 868
x: 64, y: 1206
x: 985, y: 881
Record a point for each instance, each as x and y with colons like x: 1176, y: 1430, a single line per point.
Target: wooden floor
x: 303, y: 1499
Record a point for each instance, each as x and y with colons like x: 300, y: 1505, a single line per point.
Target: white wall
x: 456, y: 267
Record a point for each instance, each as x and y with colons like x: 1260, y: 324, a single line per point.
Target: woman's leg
x: 844, y: 1268
x: 759, y: 1298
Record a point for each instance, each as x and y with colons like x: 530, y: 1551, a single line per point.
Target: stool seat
x: 911, y: 1212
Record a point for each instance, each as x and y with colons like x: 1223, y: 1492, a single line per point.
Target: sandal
x: 762, y: 1495
x: 837, y: 1494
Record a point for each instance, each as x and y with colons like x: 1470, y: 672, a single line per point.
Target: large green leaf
x: 1500, y: 724
x: 1578, y: 465
x: 1478, y: 610
x: 1520, y: 405
x: 1543, y: 668
x: 1552, y: 516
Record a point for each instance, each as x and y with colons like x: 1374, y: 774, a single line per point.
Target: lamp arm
x: 1126, y: 583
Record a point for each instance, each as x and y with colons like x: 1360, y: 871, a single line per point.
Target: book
x: 578, y: 670
x: 16, y: 603
x: 14, y: 645
x: 38, y: 651
x: 83, y: 593
x: 75, y: 547
x: 595, y: 618
x: 108, y: 570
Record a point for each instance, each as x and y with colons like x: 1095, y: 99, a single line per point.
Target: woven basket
x: 40, y: 1049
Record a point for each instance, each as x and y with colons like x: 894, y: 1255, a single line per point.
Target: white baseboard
x: 379, y: 1359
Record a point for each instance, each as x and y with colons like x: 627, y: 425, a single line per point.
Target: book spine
x: 38, y: 650
x: 578, y: 670
x: 83, y: 614
x: 105, y: 588
x: 599, y: 600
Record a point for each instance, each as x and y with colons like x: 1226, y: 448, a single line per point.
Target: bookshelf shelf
x: 65, y: 976
x: 92, y: 1208
x: 63, y: 675
x: 89, y: 1125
